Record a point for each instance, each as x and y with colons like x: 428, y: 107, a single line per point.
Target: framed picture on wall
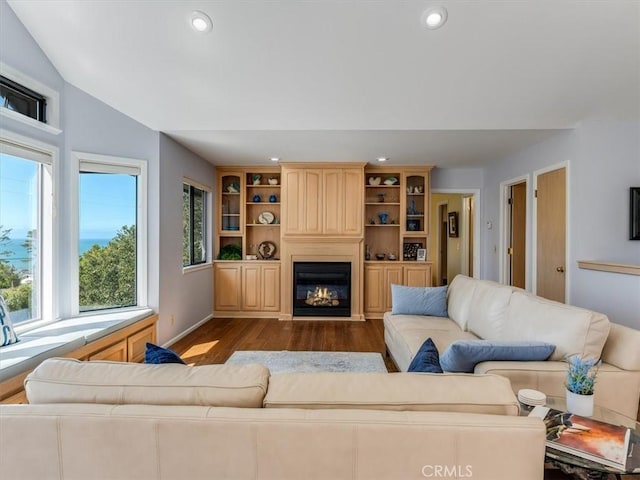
x: 421, y: 255
x: 453, y: 224
x: 634, y: 210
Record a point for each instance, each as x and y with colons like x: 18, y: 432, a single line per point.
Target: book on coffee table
x: 587, y: 438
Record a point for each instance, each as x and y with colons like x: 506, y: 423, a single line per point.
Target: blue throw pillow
x: 426, y: 360
x: 430, y: 301
x: 463, y: 355
x: 155, y: 354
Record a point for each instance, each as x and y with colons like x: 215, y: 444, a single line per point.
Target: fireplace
x: 322, y: 289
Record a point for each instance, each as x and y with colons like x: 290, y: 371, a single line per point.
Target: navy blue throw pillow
x: 155, y: 354
x: 427, y: 359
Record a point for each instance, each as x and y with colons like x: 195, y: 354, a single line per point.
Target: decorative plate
x: 266, y: 218
x: 266, y: 250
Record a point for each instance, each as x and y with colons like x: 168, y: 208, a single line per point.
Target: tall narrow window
x: 194, y: 226
x: 25, y: 230
x: 109, y: 236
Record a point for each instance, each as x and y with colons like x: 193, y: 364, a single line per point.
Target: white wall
x: 187, y: 296
x: 604, y: 161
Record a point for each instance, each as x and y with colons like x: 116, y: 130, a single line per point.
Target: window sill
x: 18, y: 117
x: 61, y: 337
x: 197, y: 268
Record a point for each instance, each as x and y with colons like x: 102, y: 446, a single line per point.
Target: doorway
x: 443, y: 243
x: 551, y: 220
x: 513, y: 256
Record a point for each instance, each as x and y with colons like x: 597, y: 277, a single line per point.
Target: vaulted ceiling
x: 349, y: 80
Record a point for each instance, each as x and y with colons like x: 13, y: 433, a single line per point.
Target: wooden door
x: 417, y: 275
x: 251, y: 291
x: 270, y: 287
x: 518, y: 234
x: 374, y: 300
x: 226, y: 286
x: 352, y: 201
x: 551, y: 235
x: 333, y: 201
x: 392, y: 275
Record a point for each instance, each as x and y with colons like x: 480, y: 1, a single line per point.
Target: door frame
x: 534, y: 230
x: 475, y: 193
x: 439, y: 272
x: 505, y: 227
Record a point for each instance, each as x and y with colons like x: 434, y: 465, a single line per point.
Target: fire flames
x: 322, y: 297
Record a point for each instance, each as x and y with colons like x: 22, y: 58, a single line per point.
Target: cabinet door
x: 374, y: 300
x: 270, y: 288
x: 313, y: 201
x: 391, y: 275
x: 137, y: 342
x: 292, y: 204
x: 352, y: 201
x: 251, y: 291
x: 333, y: 201
x: 226, y: 286
x: 417, y: 275
x: 114, y: 353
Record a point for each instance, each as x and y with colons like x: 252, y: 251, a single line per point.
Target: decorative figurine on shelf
x: 256, y: 178
x: 412, y: 209
x: 256, y: 198
x: 273, y: 181
x: 418, y: 189
x: 384, y: 217
x: 375, y: 180
x: 233, y: 188
x: 381, y: 197
x: 390, y: 181
x: 367, y: 252
x: 273, y: 198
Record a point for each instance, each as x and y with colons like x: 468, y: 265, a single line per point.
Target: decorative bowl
x: 380, y: 256
x: 374, y: 180
x: 273, y: 181
x: 391, y: 257
x: 390, y: 181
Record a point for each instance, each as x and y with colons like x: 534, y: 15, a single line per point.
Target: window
x: 194, y: 226
x: 21, y: 99
x: 26, y: 231
x: 111, y: 233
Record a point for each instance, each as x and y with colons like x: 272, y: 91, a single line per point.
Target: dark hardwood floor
x: 216, y: 340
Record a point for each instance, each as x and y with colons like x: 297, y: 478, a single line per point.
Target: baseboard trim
x: 188, y: 331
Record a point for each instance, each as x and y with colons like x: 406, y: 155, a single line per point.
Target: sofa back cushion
x: 459, y: 297
x: 622, y: 348
x: 573, y: 330
x: 64, y: 380
x: 393, y: 391
x: 486, y: 315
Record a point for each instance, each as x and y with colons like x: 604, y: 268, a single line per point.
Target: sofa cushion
x: 427, y: 359
x: 486, y: 315
x: 459, y: 297
x: 622, y: 348
x: 63, y: 380
x: 153, y: 354
x: 464, y: 355
x: 431, y: 301
x: 573, y: 330
x: 393, y: 391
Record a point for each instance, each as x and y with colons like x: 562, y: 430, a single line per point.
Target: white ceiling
x: 350, y: 80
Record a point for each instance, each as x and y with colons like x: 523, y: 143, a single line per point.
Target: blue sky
x: 107, y: 201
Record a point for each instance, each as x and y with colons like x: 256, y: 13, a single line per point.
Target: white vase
x: 579, y: 404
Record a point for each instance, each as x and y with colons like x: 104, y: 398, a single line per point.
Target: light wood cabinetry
x: 246, y: 287
x: 322, y: 201
x: 417, y: 275
x: 124, y: 345
x: 378, y: 278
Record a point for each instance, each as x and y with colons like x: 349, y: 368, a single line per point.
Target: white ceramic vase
x: 580, y: 404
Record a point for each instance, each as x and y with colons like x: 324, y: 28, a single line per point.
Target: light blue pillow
x: 463, y: 355
x: 7, y: 334
x: 430, y: 301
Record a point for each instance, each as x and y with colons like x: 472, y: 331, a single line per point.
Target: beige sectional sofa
x: 107, y: 420
x: 480, y: 309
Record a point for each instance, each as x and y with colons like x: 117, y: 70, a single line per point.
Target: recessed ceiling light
x: 434, y: 17
x: 274, y: 159
x: 382, y: 159
x: 201, y: 22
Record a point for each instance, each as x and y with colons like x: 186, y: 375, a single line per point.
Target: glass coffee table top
x: 582, y: 468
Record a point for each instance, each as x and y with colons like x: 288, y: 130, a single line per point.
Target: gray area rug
x: 308, y: 362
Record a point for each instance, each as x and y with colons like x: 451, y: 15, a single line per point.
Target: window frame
x: 207, y: 263
x: 51, y: 96
x: 48, y: 156
x: 110, y: 164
